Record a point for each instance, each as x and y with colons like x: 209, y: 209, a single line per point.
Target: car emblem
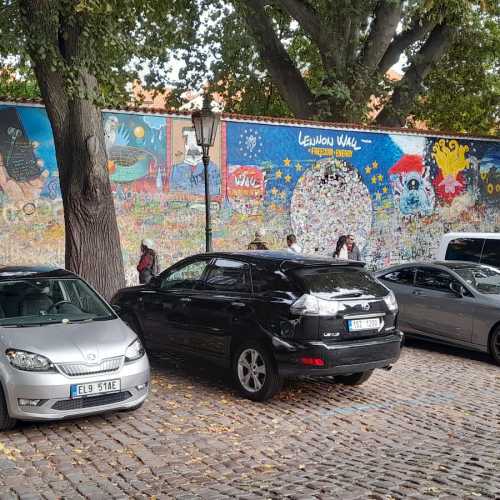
x: 365, y: 306
x: 91, y: 357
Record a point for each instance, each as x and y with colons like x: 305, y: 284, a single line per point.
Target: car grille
x: 79, y: 369
x: 77, y: 404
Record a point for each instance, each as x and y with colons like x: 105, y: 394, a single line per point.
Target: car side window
x: 491, y: 253
x: 184, y: 277
x: 269, y: 280
x: 434, y: 279
x: 402, y: 276
x: 229, y: 276
x: 468, y: 249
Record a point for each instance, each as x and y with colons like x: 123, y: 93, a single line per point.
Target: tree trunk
x: 93, y: 247
x: 92, y: 244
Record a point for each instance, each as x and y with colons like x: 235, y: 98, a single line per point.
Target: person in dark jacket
x: 148, y: 263
x: 353, y: 252
x: 258, y: 242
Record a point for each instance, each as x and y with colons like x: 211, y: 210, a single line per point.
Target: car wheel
x: 6, y: 422
x: 495, y: 345
x: 255, y: 372
x: 354, y: 378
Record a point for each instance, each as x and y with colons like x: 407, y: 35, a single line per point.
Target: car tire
x: 6, y: 422
x: 494, y: 346
x: 255, y: 372
x: 354, y: 378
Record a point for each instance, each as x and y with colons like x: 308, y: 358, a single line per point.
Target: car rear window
x: 339, y: 282
x: 468, y: 249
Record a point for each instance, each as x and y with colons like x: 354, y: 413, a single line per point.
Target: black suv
x: 268, y: 315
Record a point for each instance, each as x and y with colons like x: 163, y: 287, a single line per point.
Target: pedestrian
x: 258, y: 242
x: 341, y: 251
x: 353, y: 252
x: 293, y: 246
x: 148, y: 263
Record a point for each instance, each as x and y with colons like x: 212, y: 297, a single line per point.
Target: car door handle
x: 238, y: 304
x: 185, y: 299
x: 416, y: 292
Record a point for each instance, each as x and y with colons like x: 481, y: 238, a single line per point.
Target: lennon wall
x: 397, y: 192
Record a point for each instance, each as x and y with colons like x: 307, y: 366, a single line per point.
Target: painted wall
x: 398, y: 193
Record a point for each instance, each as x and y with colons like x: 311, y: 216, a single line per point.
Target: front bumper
x: 341, y: 358
x: 54, y: 391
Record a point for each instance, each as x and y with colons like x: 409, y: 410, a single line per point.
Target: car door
x: 440, y: 312
x: 401, y: 282
x: 220, y: 307
x: 166, y: 305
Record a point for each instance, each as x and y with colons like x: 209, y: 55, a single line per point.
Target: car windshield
x: 340, y: 282
x: 484, y: 279
x: 32, y: 302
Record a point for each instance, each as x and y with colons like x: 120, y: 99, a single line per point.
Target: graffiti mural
x: 396, y: 192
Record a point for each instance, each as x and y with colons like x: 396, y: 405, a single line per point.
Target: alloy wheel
x: 251, y: 370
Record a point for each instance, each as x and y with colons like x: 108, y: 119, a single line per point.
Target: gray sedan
x: 450, y: 302
x: 63, y: 351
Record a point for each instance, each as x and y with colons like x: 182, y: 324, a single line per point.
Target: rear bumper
x: 341, y: 358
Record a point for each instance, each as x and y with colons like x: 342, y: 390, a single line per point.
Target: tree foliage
x: 462, y: 93
x: 325, y: 59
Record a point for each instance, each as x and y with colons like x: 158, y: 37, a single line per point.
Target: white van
x: 473, y: 247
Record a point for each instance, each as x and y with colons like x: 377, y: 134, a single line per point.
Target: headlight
x: 391, y: 302
x: 29, y: 361
x: 134, y: 351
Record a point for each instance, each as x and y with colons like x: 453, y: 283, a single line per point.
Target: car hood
x: 68, y: 343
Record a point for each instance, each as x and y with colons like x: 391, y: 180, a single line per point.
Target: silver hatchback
x: 63, y: 351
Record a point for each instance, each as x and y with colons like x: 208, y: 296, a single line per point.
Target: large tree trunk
x: 93, y: 247
x: 92, y: 244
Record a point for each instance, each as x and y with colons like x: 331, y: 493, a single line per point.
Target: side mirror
x: 155, y: 281
x: 457, y: 289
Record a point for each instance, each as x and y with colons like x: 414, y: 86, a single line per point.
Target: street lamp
x: 205, y: 123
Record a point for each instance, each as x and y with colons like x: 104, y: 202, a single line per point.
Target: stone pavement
x: 430, y: 428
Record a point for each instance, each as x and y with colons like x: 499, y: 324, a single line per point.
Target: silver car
x: 450, y: 302
x: 63, y: 351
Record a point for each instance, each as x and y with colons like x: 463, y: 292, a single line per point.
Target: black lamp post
x: 205, y: 123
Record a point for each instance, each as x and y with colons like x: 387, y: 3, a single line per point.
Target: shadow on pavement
x: 448, y: 349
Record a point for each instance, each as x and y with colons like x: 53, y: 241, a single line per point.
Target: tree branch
x: 419, y: 29
x: 283, y: 71
x: 383, y: 29
x: 312, y: 23
x: 395, y: 112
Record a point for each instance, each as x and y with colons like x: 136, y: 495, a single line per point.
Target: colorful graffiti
x: 396, y: 192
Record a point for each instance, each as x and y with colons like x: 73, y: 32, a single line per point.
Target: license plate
x: 355, y: 325
x: 92, y: 388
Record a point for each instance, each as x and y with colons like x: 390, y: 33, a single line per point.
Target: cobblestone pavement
x: 429, y: 428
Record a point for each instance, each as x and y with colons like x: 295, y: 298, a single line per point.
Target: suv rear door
x: 220, y: 307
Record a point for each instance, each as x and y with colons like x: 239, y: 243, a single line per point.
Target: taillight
x: 312, y: 361
x: 309, y: 305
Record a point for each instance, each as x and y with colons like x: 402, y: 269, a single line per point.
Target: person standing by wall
x: 353, y: 252
x: 341, y: 252
x: 148, y: 263
x: 258, y: 242
x: 293, y: 246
